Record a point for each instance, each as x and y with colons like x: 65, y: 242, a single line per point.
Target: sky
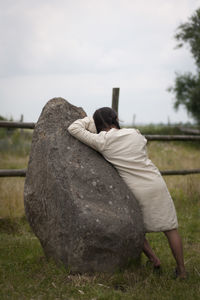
x: 80, y: 50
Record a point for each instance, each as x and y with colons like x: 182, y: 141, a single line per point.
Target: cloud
x: 84, y: 48
x: 56, y: 37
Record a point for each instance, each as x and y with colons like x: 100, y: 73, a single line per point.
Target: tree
x: 187, y: 86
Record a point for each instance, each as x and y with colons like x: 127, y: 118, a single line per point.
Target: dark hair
x: 104, y: 118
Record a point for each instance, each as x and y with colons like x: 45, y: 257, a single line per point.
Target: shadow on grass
x: 14, y: 226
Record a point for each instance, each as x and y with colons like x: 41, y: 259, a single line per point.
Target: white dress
x: 125, y: 149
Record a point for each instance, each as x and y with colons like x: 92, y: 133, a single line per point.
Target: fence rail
x: 8, y: 124
x: 22, y: 172
x: 149, y: 137
x: 13, y: 173
x: 180, y: 172
x: 156, y: 137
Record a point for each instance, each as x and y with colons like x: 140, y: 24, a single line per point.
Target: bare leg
x: 150, y: 254
x: 175, y: 243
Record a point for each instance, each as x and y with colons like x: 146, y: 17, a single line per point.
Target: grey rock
x: 76, y: 203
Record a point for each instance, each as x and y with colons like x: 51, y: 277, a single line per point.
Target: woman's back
x: 126, y: 150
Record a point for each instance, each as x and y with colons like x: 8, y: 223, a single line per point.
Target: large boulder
x: 76, y: 203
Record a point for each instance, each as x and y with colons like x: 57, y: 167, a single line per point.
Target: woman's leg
x: 175, y: 243
x: 150, y: 254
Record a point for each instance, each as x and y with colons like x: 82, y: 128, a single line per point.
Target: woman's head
x: 105, y: 118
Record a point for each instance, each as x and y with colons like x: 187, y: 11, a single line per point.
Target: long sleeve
x: 85, y: 131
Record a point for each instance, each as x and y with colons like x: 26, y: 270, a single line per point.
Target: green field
x: 26, y: 274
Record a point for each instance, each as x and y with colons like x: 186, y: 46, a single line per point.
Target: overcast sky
x: 80, y: 50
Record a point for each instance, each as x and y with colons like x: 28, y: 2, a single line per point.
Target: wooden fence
x: 22, y: 172
x: 115, y: 103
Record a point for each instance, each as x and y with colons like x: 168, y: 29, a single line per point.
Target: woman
x: 126, y: 150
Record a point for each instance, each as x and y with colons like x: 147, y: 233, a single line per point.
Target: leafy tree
x: 187, y: 86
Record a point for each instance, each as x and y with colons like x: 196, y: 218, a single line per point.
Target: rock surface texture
x: 77, y: 205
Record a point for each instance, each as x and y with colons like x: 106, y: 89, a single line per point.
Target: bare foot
x: 181, y: 274
x: 155, y: 262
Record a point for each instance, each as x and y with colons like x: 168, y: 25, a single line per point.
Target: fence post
x: 115, y: 99
x: 21, y: 121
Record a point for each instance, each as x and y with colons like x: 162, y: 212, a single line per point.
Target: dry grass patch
x: 11, y: 197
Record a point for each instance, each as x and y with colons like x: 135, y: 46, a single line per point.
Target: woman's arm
x: 85, y: 131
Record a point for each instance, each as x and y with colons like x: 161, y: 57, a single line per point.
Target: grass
x: 11, y: 189
x: 14, y: 150
x: 15, y: 141
x: 26, y: 274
